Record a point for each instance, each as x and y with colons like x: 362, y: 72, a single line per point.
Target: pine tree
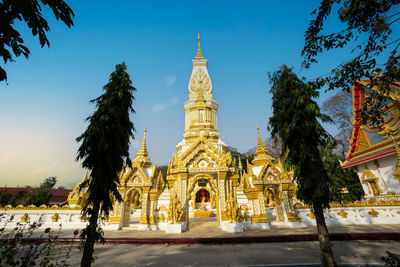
x: 103, y: 151
x: 295, y: 121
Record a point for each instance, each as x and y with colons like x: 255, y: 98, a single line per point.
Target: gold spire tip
x: 199, y: 55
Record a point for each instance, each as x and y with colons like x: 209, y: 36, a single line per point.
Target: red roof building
x: 58, y: 196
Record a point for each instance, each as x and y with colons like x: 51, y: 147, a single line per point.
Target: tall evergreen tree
x: 295, y: 121
x: 103, y: 151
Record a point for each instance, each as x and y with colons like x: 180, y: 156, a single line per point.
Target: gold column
x: 222, y: 195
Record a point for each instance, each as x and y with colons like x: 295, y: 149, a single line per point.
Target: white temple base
x: 286, y: 225
x: 111, y: 227
x: 232, y: 227
x: 258, y: 226
x: 144, y: 227
x: 296, y: 225
x: 173, y: 228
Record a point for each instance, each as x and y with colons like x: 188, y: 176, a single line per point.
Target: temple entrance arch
x: 273, y: 203
x: 202, y: 196
x: 132, y: 205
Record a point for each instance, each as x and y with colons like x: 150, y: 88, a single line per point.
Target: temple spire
x: 261, y: 150
x: 142, y: 156
x: 199, y: 55
x: 143, y: 149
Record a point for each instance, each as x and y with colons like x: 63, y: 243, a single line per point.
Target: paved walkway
x: 271, y: 254
x: 212, y: 230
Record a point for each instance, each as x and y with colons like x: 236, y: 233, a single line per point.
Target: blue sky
x: 43, y: 107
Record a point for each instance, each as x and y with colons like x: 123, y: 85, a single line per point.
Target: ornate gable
x: 201, y: 152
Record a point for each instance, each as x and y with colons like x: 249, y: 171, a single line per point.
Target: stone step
x: 131, y: 227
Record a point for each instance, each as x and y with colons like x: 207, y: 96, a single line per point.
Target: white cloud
x: 170, y: 79
x: 173, y: 101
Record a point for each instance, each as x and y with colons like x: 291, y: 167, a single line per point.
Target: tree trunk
x: 327, y: 258
x: 90, y: 238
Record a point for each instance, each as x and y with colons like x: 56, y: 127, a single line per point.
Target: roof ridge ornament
x: 199, y: 55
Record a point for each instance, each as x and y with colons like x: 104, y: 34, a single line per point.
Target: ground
x: 355, y: 252
x: 256, y: 254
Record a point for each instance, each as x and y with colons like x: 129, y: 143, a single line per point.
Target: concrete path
x: 270, y: 254
x: 212, y: 230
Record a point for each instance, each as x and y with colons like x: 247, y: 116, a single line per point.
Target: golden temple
x: 202, y: 178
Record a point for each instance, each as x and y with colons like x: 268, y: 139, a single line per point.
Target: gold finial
x: 199, y: 55
x: 261, y: 150
x: 240, y: 163
x: 143, y: 149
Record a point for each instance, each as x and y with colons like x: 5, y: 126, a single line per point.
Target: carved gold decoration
x: 175, y: 210
x: 373, y: 213
x: 244, y: 207
x: 25, y: 218
x: 293, y: 217
x: 362, y: 140
x: 368, y: 176
x: 55, y: 217
x: 396, y: 173
x: 260, y: 218
x: 203, y: 213
x: 114, y: 219
x: 232, y: 210
x: 342, y: 213
x: 311, y: 215
x: 200, y: 82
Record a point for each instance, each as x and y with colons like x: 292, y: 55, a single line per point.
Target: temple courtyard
x: 263, y: 254
x: 206, y: 244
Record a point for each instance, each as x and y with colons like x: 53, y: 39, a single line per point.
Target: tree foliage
x: 40, y: 196
x: 104, y: 150
x: 105, y: 143
x: 274, y: 147
x: 244, y: 158
x: 368, y: 31
x: 49, y: 182
x: 344, y: 183
x: 391, y: 260
x: 296, y: 121
x: 30, y: 12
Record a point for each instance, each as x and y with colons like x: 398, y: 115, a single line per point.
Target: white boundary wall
x: 355, y: 215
